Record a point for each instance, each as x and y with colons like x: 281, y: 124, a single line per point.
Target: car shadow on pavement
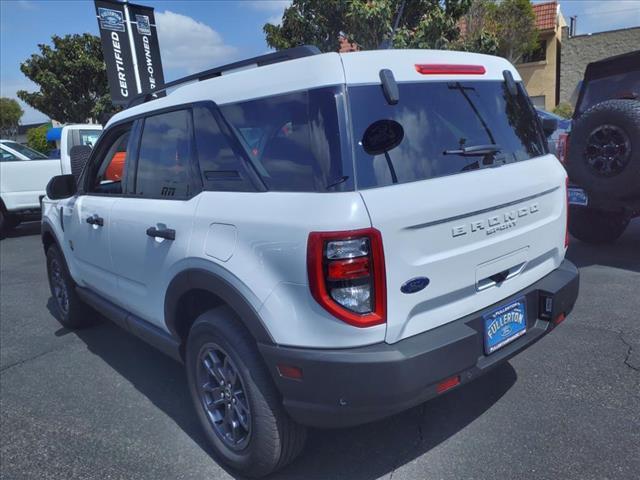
x: 23, y: 230
x: 624, y: 253
x: 361, y: 453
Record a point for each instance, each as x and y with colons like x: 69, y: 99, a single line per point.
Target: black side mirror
x: 61, y: 186
x: 79, y: 155
x: 549, y: 125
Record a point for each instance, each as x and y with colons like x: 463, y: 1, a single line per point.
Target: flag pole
x: 134, y: 56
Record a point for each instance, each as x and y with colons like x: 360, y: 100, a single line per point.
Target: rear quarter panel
x: 261, y: 240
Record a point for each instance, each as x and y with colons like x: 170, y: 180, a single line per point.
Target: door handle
x: 95, y: 220
x: 166, y: 233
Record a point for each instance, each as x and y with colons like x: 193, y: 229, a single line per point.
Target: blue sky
x: 195, y: 35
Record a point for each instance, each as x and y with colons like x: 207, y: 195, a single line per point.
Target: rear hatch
x: 480, y: 226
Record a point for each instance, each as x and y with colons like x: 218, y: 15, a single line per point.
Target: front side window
x: 293, y: 140
x: 165, y: 156
x: 110, y: 173
x: 440, y: 119
x: 30, y: 153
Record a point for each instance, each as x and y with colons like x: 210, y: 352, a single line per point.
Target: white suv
x: 323, y: 239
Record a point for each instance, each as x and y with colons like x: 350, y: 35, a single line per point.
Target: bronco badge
x: 496, y: 223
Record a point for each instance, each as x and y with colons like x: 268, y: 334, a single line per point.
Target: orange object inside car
x: 116, y: 166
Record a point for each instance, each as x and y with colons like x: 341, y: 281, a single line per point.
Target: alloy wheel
x: 608, y: 150
x: 59, y: 287
x: 223, y: 396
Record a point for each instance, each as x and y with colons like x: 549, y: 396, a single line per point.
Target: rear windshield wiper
x: 474, y: 150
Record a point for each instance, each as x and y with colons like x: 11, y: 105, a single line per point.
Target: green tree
x: 506, y: 28
x: 72, y: 78
x: 37, y: 139
x: 478, y: 29
x: 10, y: 115
x: 368, y: 23
x: 515, y: 28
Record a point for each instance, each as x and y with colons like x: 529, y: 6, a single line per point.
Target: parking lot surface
x: 100, y: 404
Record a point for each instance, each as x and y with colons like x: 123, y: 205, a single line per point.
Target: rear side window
x: 165, y: 156
x: 439, y: 117
x: 221, y: 166
x: 293, y: 140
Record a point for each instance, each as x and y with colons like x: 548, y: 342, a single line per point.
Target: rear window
x: 293, y: 140
x: 443, y: 116
x: 622, y: 85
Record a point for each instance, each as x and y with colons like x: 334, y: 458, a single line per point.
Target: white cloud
x: 275, y: 20
x: 188, y: 44
x: 273, y: 7
x: 26, y: 5
x: 269, y: 5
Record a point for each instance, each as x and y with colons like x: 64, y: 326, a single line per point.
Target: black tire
x: 604, y: 149
x: 72, y: 313
x: 8, y: 222
x: 596, y: 226
x: 272, y: 439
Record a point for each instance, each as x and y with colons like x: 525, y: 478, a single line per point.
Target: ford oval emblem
x: 414, y: 285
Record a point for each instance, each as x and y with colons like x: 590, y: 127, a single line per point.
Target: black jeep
x: 603, y: 158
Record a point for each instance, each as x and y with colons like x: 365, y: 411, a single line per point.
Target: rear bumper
x: 346, y: 387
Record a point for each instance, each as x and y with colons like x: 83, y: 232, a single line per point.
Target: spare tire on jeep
x: 604, y: 149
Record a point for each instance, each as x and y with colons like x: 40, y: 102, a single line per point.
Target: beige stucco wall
x: 540, y: 77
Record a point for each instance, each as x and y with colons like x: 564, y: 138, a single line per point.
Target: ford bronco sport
x: 323, y: 239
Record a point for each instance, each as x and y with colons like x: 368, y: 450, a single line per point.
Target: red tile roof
x: 345, y: 46
x: 545, y: 15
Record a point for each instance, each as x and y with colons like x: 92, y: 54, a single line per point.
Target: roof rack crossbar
x: 259, y: 61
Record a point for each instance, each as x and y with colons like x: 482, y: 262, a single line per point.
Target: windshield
x: 441, y: 120
x: 30, y: 153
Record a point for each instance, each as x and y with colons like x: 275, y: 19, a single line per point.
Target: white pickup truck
x: 24, y: 172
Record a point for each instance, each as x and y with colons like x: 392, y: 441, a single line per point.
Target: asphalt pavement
x: 100, y: 404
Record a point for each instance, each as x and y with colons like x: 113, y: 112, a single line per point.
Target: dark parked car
x: 602, y: 151
x: 564, y: 125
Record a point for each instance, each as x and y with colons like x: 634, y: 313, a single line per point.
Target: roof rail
x: 259, y: 61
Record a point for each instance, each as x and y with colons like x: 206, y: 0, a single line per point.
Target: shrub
x: 37, y: 139
x: 564, y: 109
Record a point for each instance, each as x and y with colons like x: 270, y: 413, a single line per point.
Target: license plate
x: 504, y: 324
x: 578, y: 196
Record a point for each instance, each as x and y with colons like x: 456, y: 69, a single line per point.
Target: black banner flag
x: 116, y: 50
x: 129, y: 37
x: 145, y: 39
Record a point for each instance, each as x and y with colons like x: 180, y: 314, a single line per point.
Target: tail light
x: 449, y: 69
x: 347, y: 276
x: 566, y: 228
x: 562, y: 148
